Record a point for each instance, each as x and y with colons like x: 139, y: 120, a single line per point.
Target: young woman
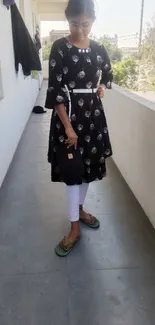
x: 79, y: 71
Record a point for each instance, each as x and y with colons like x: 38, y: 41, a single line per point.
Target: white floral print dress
x: 79, y: 69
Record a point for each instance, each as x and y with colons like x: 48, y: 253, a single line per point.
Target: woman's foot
x: 67, y: 244
x: 88, y: 219
x: 71, y: 237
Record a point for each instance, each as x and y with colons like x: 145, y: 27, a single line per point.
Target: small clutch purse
x: 71, y: 167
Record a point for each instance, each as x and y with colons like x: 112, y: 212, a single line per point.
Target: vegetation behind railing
x: 136, y: 72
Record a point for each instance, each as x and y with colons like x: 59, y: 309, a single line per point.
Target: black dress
x: 73, y: 68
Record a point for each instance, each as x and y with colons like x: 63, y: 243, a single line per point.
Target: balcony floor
x: 109, y: 279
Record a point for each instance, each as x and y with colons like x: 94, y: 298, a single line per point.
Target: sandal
x: 63, y: 250
x: 93, y: 222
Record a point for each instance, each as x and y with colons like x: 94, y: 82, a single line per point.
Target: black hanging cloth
x: 24, y: 48
x: 8, y: 3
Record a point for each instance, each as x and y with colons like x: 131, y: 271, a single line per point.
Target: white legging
x: 76, y: 195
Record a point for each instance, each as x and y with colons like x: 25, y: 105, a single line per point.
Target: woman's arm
x: 107, y: 74
x: 61, y: 112
x: 56, y: 96
x: 71, y: 135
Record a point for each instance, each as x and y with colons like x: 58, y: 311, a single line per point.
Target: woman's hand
x: 100, y: 91
x: 72, y: 138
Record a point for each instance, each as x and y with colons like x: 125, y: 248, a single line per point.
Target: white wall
x: 131, y: 122
x: 19, y: 93
x: 45, y: 65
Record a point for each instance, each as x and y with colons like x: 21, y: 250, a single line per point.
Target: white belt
x: 84, y: 91
x: 77, y: 91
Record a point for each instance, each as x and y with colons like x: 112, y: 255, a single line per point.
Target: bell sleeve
x: 107, y: 73
x: 56, y: 94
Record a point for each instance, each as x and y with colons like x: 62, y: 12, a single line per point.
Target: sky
x: 120, y: 17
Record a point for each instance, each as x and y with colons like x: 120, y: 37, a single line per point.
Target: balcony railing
x: 131, y: 120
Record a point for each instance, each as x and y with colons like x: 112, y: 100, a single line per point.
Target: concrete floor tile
x: 34, y: 299
x: 109, y: 278
x: 120, y: 297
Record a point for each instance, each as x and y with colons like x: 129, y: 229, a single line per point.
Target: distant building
x: 56, y: 34
x: 113, y: 40
x: 128, y: 51
x: 45, y: 40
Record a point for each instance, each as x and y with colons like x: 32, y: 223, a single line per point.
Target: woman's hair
x: 80, y: 7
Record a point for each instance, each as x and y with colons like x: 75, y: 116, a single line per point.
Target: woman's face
x: 80, y: 27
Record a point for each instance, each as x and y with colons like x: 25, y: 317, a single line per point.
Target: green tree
x: 147, y: 60
x: 46, y: 49
x: 115, y: 54
x: 126, y: 73
x: 147, y: 51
